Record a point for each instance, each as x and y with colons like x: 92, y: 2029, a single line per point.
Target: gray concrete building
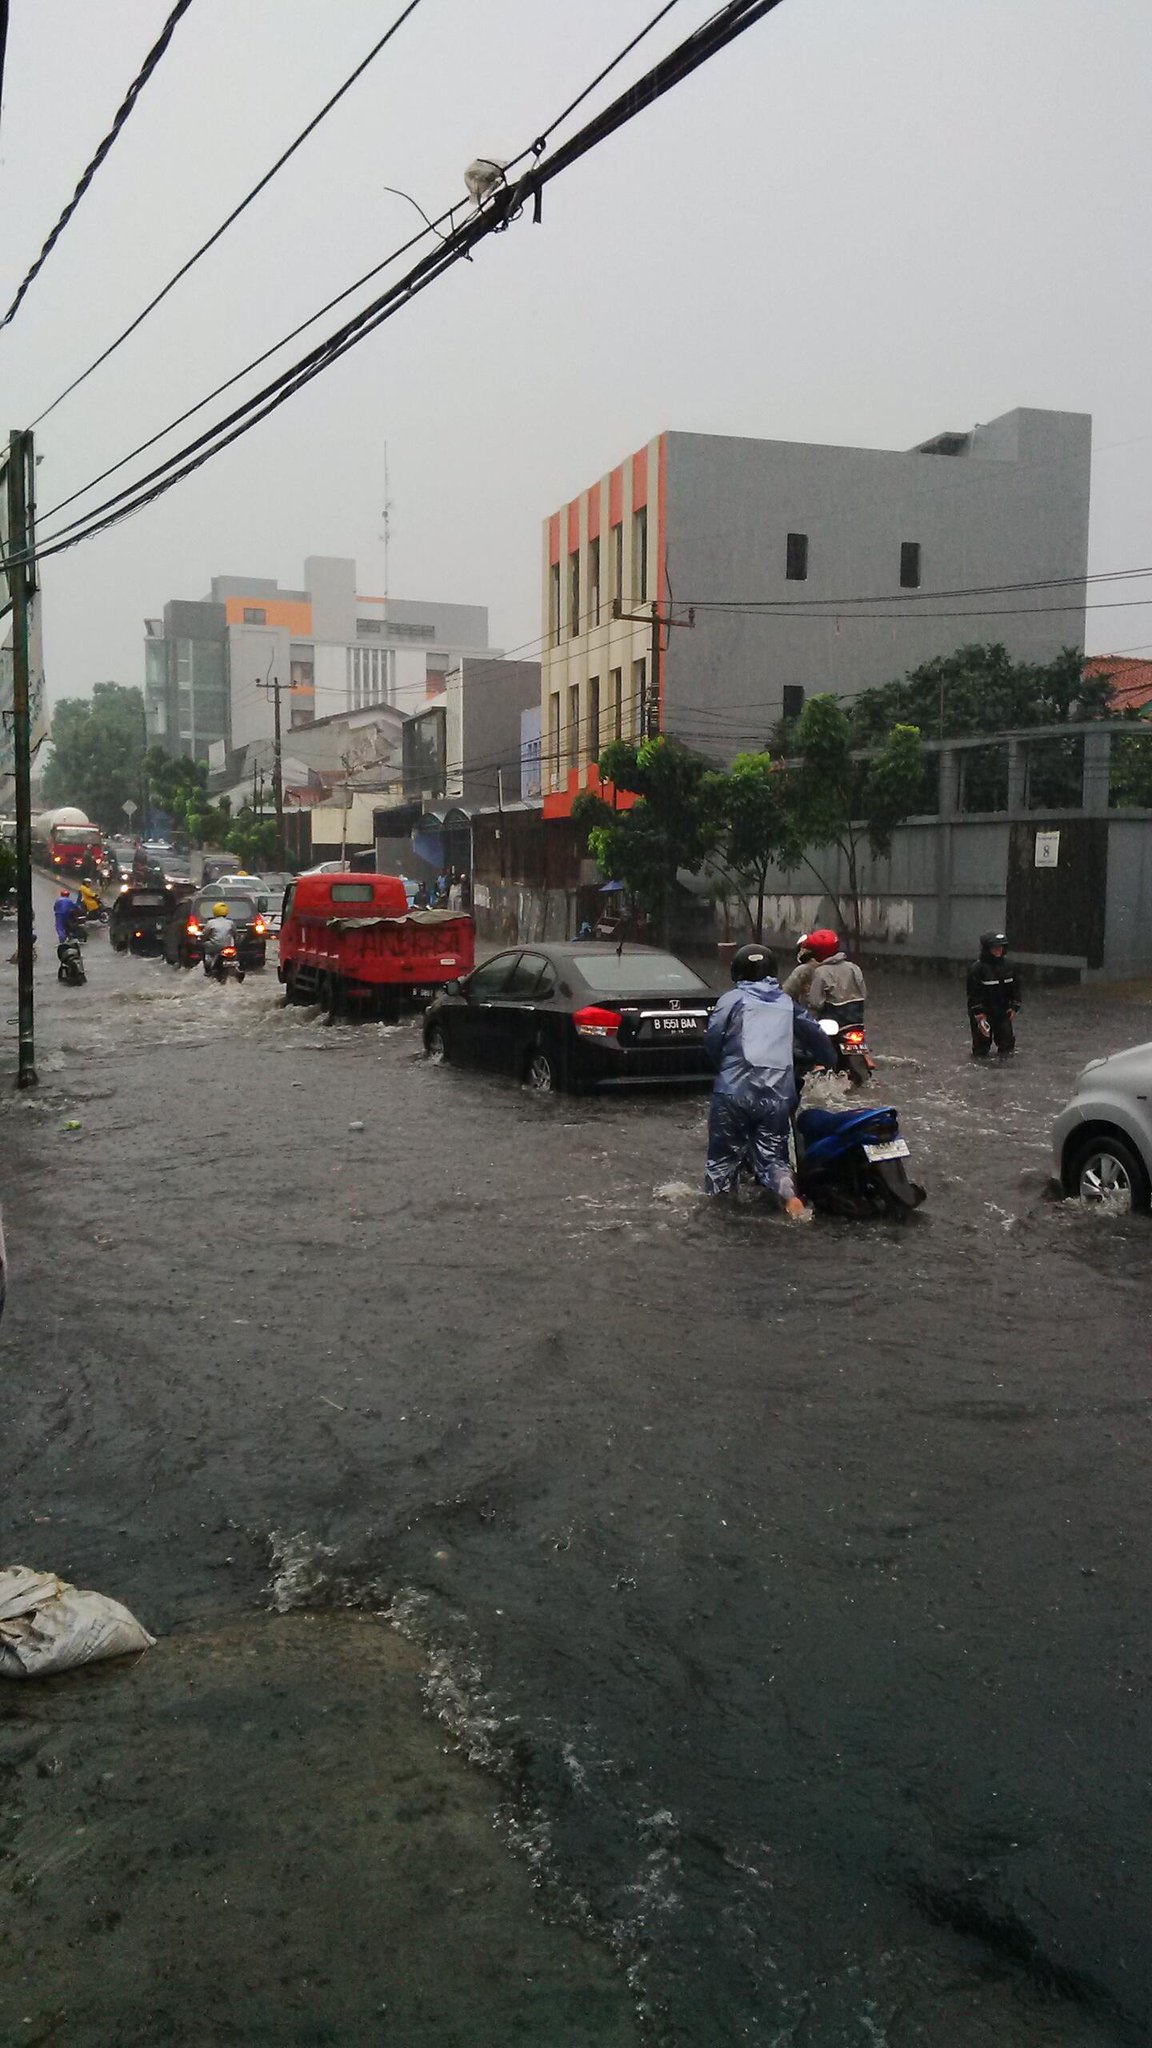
x: 186, y: 707
x: 810, y: 568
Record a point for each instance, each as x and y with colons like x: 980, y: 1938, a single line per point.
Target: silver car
x: 1102, y: 1140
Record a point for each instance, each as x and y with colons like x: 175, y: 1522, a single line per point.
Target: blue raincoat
x: 749, y: 1038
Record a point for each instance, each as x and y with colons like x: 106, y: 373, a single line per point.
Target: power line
x: 432, y: 227
x: 3, y: 47
x: 214, y: 237
x: 125, y: 108
x: 500, y: 210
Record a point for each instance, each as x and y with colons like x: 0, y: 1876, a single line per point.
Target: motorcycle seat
x: 829, y: 1123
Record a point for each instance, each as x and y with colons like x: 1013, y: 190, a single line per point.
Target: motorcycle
x: 71, y: 968
x: 850, y: 1046
x: 849, y: 1162
x: 223, y: 962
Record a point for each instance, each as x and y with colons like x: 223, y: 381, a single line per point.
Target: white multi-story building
x: 806, y: 568
x: 331, y: 650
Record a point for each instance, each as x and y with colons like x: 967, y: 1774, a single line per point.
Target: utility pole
x: 21, y: 585
x: 274, y: 686
x: 648, y: 720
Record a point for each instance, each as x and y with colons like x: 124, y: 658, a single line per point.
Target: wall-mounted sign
x: 1047, y: 849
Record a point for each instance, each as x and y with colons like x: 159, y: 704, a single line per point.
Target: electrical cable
x: 213, y: 238
x: 433, y: 226
x: 504, y: 206
x: 3, y: 48
x: 129, y: 101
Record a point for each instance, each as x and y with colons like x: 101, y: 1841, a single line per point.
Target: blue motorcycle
x: 850, y: 1162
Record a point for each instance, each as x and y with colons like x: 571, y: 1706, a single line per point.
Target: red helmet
x: 820, y: 945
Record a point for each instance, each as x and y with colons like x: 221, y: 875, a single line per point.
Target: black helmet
x: 752, y: 963
x: 990, y: 939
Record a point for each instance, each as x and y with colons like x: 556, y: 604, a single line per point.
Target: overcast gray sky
x: 861, y: 224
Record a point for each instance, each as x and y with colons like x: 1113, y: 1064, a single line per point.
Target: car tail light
x: 259, y: 927
x: 193, y: 928
x: 594, y: 1022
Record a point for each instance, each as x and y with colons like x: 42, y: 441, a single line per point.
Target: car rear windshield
x: 241, y: 908
x: 633, y: 974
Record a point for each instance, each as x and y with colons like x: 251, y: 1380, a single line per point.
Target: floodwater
x: 785, y: 1587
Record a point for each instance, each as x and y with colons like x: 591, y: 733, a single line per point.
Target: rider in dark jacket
x: 993, y: 998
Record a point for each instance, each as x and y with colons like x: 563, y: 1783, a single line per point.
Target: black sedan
x: 575, y: 1016
x: 183, y: 944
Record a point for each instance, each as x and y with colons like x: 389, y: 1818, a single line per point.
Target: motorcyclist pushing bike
x: 750, y: 1041
x: 66, y: 911
x: 993, y: 998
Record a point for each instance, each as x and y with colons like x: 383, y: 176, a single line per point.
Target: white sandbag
x: 47, y: 1625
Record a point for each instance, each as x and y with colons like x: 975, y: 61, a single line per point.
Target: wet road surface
x: 789, y: 1583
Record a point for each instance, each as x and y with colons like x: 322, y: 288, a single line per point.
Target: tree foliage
x: 673, y: 823
x: 253, y: 839
x: 839, y: 799
x: 758, y: 828
x: 981, y: 689
x: 97, y: 749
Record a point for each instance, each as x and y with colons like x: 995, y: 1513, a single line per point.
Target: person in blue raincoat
x: 750, y: 1036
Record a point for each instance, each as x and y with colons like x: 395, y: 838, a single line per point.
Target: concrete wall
x: 256, y: 652
x: 485, y: 700
x: 1012, y: 508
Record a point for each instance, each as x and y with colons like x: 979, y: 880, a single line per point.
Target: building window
x: 255, y: 615
x: 909, y: 565
x: 574, y: 592
x: 640, y: 554
x: 616, y: 686
x: 554, y: 739
x: 639, y: 718
x: 554, y: 602
x: 594, y: 718
x: 796, y: 564
x: 370, y: 626
x: 793, y: 702
x: 574, y: 748
x: 618, y: 564
x: 594, y: 582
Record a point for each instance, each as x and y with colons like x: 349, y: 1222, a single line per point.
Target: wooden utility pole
x: 21, y: 585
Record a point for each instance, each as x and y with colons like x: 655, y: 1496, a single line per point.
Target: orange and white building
x: 806, y: 568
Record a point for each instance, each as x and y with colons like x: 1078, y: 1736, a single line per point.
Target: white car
x: 1102, y: 1139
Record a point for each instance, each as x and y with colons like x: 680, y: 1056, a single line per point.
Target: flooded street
x: 787, y: 1587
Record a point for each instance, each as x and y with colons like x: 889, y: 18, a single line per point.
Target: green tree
x: 839, y: 799
x: 253, y: 839
x: 673, y: 824
x: 758, y: 828
x: 981, y: 689
x: 97, y: 750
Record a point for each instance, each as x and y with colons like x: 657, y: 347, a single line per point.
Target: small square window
x: 909, y: 565
x: 793, y: 701
x: 796, y: 563
x: 255, y: 615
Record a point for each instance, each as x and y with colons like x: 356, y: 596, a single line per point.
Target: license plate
x: 894, y: 1149
x: 675, y: 1026
x: 424, y: 991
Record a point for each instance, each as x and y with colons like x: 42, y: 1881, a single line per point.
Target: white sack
x: 47, y: 1625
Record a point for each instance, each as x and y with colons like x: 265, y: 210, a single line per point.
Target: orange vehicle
x: 350, y: 941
